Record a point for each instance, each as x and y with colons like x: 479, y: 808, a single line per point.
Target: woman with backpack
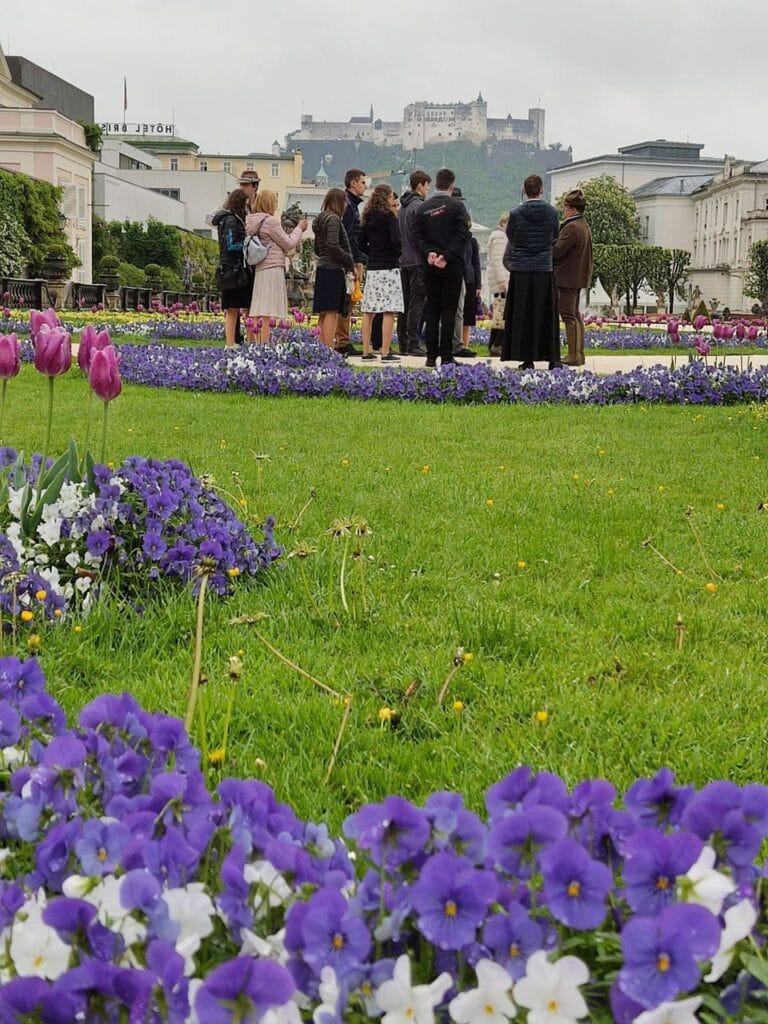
x: 334, y: 263
x: 269, y: 297
x: 234, y: 278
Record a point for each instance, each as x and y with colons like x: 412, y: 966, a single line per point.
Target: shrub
x: 109, y: 265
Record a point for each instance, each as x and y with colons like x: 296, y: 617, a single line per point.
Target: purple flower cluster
x: 145, y: 521
x: 305, y: 368
x: 128, y: 880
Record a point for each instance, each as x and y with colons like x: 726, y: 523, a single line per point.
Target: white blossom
x: 329, y: 996
x: 739, y: 921
x: 489, y: 1003
x: 50, y: 531
x: 403, y: 1003
x: 705, y: 886
x: 550, y: 991
x: 682, y: 1012
x: 272, y: 891
x: 192, y: 909
x: 36, y: 948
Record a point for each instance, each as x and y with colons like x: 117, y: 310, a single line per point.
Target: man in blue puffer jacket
x: 532, y: 322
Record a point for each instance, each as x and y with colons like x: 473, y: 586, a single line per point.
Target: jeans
x: 442, y: 288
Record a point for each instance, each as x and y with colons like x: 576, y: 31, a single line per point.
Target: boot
x: 572, y: 335
x: 580, y: 342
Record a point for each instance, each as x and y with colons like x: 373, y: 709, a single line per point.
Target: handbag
x: 497, y: 322
x: 349, y: 279
x: 254, y: 250
x: 232, y: 277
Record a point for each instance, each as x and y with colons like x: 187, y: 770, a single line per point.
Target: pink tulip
x: 298, y: 316
x: 741, y: 332
x: 672, y: 326
x: 53, y: 351
x: 752, y: 333
x: 728, y: 331
x: 103, y: 375
x: 90, y: 342
x: 38, y: 320
x: 701, y: 345
x: 10, y: 361
x: 699, y: 322
x: 717, y: 331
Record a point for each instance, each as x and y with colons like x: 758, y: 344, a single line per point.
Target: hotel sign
x: 133, y: 128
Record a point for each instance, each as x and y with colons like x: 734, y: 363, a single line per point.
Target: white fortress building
x: 424, y: 123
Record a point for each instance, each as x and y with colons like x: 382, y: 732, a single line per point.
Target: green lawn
x: 516, y: 533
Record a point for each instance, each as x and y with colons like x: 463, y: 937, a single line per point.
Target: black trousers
x: 414, y: 299
x: 443, y: 288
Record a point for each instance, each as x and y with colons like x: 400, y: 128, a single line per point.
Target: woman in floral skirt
x: 383, y: 292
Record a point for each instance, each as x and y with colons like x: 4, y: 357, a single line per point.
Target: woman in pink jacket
x: 269, y: 298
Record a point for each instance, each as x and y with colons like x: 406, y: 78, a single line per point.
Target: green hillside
x: 491, y: 177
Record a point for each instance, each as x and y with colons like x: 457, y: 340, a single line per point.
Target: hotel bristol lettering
x: 134, y: 128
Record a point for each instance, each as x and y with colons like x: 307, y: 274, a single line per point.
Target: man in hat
x: 572, y: 256
x: 249, y: 182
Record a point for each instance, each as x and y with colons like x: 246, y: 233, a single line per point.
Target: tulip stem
x: 47, y: 445
x: 2, y: 404
x: 104, y: 434
x: 88, y: 413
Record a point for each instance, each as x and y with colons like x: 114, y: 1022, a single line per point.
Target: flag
x: 125, y: 95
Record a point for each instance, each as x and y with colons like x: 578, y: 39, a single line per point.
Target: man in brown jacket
x: 572, y: 256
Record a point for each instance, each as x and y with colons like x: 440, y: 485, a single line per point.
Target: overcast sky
x: 235, y: 76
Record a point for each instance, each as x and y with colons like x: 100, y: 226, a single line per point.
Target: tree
x: 611, y: 212
x: 756, y: 279
x: 623, y: 269
x: 667, y: 269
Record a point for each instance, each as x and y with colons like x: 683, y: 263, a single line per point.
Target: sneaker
x: 418, y: 351
x: 465, y: 353
x: 389, y: 358
x: 369, y: 355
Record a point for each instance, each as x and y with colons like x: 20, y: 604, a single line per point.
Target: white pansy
x: 272, y: 891
x: 272, y: 947
x: 682, y: 1012
x: 13, y: 533
x: 550, y: 991
x: 14, y: 501
x: 72, y: 559
x: 192, y: 909
x: 705, y: 886
x: 76, y: 887
x: 739, y: 922
x: 288, y: 1013
x: 195, y: 984
x: 36, y: 948
x: 489, y: 1003
x: 10, y: 757
x: 329, y: 992
x: 404, y: 1003
x: 83, y: 584
x: 105, y: 896
x: 50, y: 532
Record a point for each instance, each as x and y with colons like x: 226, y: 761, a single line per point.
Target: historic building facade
x: 424, y: 123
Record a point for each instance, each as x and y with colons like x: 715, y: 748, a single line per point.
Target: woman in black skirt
x: 235, y: 279
x: 334, y: 262
x: 532, y: 322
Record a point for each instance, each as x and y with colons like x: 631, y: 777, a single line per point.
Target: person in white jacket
x: 498, y: 278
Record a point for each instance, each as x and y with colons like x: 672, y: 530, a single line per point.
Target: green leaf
x: 757, y: 967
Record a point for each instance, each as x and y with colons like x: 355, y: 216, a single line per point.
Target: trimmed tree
x: 756, y: 278
x: 667, y: 270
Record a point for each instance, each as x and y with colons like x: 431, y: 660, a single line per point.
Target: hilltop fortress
x: 425, y: 123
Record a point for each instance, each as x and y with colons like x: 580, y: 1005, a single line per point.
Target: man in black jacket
x: 440, y: 234
x: 354, y: 183
x: 412, y: 267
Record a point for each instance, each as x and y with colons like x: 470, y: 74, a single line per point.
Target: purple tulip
x: 103, y: 375
x: 741, y: 332
x: 38, y: 320
x: 701, y: 345
x: 717, y: 331
x: 53, y: 351
x: 728, y: 331
x: 90, y: 342
x: 752, y: 333
x: 699, y: 322
x: 673, y: 326
x: 10, y: 362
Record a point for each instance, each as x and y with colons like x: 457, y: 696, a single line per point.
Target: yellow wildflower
x: 458, y: 705
x: 345, y: 462
x: 542, y: 716
x: 386, y: 714
x: 711, y: 588
x: 27, y: 616
x: 41, y: 595
x: 234, y: 571
x: 522, y: 565
x: 216, y: 757
x: 489, y: 502
x: 33, y: 642
x: 468, y: 656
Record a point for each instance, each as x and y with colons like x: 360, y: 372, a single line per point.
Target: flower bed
x: 145, y: 521
x: 309, y: 369
x: 130, y: 886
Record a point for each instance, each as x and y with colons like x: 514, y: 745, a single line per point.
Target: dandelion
x: 489, y: 503
x: 711, y: 588
x: 575, y: 476
x: 57, y: 613
x: 610, y: 492
x: 425, y: 469
x: 216, y: 757
x: 522, y: 565
x: 458, y: 705
x: 661, y: 488
x: 467, y: 656
x: 542, y: 716
x: 34, y: 641
x: 345, y: 462
x: 77, y: 629
x: 720, y: 506
x: 386, y: 714
x: 233, y: 572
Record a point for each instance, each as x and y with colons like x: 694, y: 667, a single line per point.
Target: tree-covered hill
x: 490, y: 176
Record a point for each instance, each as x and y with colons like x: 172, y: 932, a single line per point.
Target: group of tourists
x: 417, y: 261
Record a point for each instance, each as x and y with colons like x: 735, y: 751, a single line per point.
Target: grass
x: 514, y: 532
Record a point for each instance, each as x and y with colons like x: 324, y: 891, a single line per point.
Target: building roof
x: 677, y: 185
x: 158, y: 143
x: 664, y: 148
x: 761, y: 168
x: 636, y: 158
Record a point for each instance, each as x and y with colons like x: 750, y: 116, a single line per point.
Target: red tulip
x: 38, y: 320
x: 53, y: 351
x: 10, y: 362
x: 103, y: 375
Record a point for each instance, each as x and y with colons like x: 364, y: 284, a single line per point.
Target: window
x: 174, y: 163
x: 725, y: 212
x: 274, y: 169
x: 646, y: 227
x: 81, y: 209
x: 203, y: 165
x: 249, y: 165
x: 227, y: 166
x: 172, y: 193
